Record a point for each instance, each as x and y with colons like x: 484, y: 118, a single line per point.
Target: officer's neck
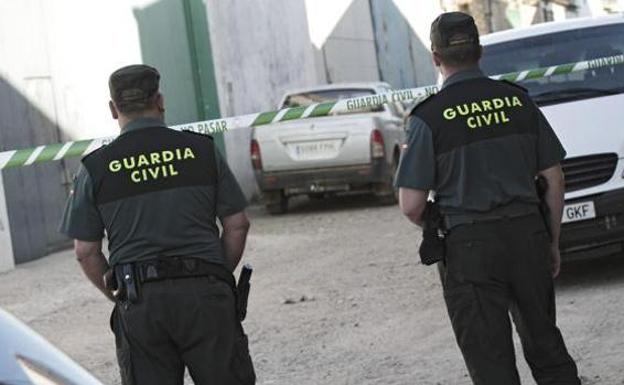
x: 447, y: 71
x: 124, y: 119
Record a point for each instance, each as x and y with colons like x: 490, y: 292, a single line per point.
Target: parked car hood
x: 17, y: 340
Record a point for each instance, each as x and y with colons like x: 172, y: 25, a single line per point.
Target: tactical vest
x: 484, y: 137
x: 155, y: 189
x: 149, y: 160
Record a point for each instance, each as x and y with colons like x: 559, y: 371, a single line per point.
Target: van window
x: 560, y: 48
x: 322, y: 96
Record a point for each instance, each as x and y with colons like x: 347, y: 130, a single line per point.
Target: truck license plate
x: 578, y: 212
x: 315, y: 150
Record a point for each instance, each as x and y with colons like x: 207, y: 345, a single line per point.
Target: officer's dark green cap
x: 453, y: 29
x: 133, y: 86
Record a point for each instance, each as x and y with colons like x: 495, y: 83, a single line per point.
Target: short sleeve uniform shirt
x: 478, y: 144
x: 154, y: 192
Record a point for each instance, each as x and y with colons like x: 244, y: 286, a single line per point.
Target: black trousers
x: 189, y: 322
x: 495, y: 268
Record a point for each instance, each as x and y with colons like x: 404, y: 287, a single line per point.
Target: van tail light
x: 377, y: 144
x: 256, y: 158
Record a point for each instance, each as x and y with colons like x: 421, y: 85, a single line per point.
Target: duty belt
x: 180, y: 267
x: 130, y: 276
x: 511, y: 211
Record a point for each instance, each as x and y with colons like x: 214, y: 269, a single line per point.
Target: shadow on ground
x: 596, y: 273
x: 305, y: 205
x: 600, y: 272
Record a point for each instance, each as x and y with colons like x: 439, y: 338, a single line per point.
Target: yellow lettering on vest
x: 487, y: 119
x: 188, y: 153
x: 154, y: 172
x: 136, y: 176
x: 487, y: 105
x: 498, y: 103
x: 155, y: 158
x: 504, y: 117
x: 465, y: 111
x: 114, y: 166
x: 152, y: 166
x: 449, y: 114
x: 167, y: 156
x: 474, y: 107
x: 471, y: 122
x: 129, y: 163
x: 516, y: 102
x: 143, y: 161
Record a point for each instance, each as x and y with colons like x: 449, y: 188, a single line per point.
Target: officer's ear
x: 436, y: 58
x: 160, y: 102
x: 113, y: 110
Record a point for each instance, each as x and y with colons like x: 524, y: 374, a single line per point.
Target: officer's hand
x: 109, y: 286
x: 556, y: 260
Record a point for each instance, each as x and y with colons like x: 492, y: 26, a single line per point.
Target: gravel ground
x: 338, y: 297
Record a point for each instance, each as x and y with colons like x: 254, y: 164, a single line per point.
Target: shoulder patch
x: 416, y: 106
x: 94, y: 152
x: 516, y: 85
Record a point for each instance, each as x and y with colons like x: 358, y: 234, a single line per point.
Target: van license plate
x: 578, y: 212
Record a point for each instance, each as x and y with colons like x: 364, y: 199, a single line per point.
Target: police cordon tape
x: 53, y: 152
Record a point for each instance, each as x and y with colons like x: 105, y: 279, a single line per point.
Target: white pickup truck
x: 336, y: 153
x: 586, y: 109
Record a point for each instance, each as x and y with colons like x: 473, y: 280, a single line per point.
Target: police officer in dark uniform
x: 156, y: 193
x: 479, y: 144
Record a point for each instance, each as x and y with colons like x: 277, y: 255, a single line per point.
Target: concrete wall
x: 410, y: 22
x: 350, y: 50
x: 362, y: 40
x: 393, y: 37
x: 34, y: 195
x: 7, y: 260
x: 261, y: 49
x: 56, y: 58
x: 76, y: 44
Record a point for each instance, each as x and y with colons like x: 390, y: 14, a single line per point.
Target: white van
x: 586, y: 109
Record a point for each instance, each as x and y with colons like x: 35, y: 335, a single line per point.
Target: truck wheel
x: 276, y: 203
x: 386, y: 193
x: 316, y: 196
x: 386, y: 199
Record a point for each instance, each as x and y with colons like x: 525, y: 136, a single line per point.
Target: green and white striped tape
x: 53, y: 152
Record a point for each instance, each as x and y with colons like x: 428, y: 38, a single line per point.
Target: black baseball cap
x: 452, y: 29
x: 133, y: 86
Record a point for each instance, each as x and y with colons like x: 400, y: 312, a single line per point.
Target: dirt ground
x: 338, y: 297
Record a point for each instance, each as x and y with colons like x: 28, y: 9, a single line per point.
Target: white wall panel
x: 261, y: 49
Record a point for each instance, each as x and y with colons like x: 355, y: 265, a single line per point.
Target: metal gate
x: 35, y: 196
